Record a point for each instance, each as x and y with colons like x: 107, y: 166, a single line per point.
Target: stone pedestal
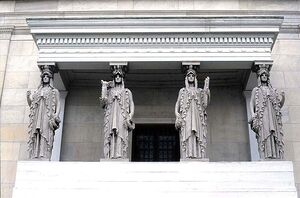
x: 114, y: 160
x: 194, y: 160
x: 112, y: 179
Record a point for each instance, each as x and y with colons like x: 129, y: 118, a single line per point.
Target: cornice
x: 148, y: 38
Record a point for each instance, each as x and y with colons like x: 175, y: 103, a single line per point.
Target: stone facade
x: 19, y: 72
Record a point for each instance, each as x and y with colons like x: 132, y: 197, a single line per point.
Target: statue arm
x: 282, y: 99
x: 178, y: 121
x: 206, y: 92
x: 29, y: 98
x: 57, y: 110
x: 252, y: 105
x: 104, y: 92
x: 131, y: 106
x: 206, y: 97
x: 177, y: 105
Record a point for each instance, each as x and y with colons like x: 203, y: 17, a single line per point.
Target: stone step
x: 149, y: 193
x: 174, y: 179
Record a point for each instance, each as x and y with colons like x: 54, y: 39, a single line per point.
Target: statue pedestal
x: 194, y: 160
x: 114, y: 160
x: 272, y: 179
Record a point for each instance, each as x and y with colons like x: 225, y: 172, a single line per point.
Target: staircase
x: 265, y: 179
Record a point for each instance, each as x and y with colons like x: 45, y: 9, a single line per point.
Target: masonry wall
x: 83, y: 126
x: 18, y: 68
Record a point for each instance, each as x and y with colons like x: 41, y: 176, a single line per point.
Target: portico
x: 155, y: 48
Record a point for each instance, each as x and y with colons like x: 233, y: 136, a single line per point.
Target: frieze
x: 155, y: 38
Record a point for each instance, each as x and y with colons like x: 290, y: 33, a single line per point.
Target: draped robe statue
x: 191, y: 117
x: 265, y: 105
x: 44, y: 117
x: 119, y: 110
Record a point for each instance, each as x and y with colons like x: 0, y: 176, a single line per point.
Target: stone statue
x: 119, y: 109
x: 265, y: 120
x: 44, y: 116
x: 191, y: 117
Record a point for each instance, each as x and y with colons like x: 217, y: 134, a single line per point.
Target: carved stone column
x: 44, y: 105
x: 191, y: 116
x: 118, y: 112
x: 265, y: 114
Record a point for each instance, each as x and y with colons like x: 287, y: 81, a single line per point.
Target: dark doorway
x: 155, y: 143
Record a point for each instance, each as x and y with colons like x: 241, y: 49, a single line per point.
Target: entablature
x: 238, y: 38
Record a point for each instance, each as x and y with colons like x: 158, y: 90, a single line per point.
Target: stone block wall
x: 286, y: 76
x: 227, y: 121
x: 21, y: 73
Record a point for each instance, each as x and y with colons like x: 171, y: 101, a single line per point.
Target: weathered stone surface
x: 2, y: 63
x: 22, y: 63
x: 292, y: 79
x: 7, y: 6
x: 292, y: 132
x: 83, y: 114
x: 155, y: 5
x: 286, y: 47
x: 125, y: 4
x: 228, y: 151
x: 277, y: 79
x: 294, y: 114
x: 24, y: 153
x: 186, y: 5
x: 34, y: 80
x: 289, y: 151
x: 12, y: 114
x: 292, y: 97
x: 72, y: 151
x: 16, y: 80
x: 9, y: 150
x: 14, y: 132
x: 13, y: 97
x: 286, y: 62
x: 21, y: 48
x: 24, y: 5
x: 6, y: 190
x: 4, y: 47
x: 216, y: 5
x: 81, y: 133
x: 269, y: 5
x: 8, y: 171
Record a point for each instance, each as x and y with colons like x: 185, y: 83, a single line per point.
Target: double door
x: 155, y: 143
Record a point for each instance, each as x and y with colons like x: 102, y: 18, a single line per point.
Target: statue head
x: 118, y: 73
x: 46, y: 74
x: 118, y: 79
x: 262, y: 70
x: 46, y: 78
x: 263, y: 73
x: 191, y: 78
x: 264, y: 77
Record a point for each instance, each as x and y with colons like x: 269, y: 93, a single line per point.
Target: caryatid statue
x: 119, y: 109
x: 265, y: 106
x: 191, y: 116
x: 44, y: 106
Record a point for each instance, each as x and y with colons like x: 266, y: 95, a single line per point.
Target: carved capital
x: 190, y: 65
x: 119, y: 68
x: 49, y: 68
x: 262, y: 66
